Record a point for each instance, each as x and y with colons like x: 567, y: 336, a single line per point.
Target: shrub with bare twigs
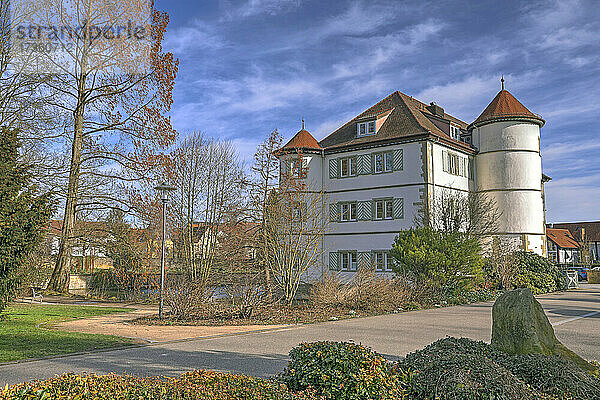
x: 186, y: 298
x: 246, y: 296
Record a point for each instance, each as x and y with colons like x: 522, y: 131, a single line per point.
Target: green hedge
x: 341, y: 371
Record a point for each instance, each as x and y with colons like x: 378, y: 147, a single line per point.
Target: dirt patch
x: 121, y: 325
x: 264, y: 316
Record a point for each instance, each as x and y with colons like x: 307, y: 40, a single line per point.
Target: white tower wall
x: 509, y: 171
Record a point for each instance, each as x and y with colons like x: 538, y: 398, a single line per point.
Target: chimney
x: 582, y: 234
x: 435, y: 109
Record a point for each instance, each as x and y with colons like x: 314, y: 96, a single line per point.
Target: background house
x: 563, y: 249
x: 588, y: 235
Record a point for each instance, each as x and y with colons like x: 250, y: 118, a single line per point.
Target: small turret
x: 302, y: 157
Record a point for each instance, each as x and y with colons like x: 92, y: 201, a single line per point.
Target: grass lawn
x: 20, y: 338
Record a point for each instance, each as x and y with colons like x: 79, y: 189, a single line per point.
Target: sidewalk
x: 120, y: 324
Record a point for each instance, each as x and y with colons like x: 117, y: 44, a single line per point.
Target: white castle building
x: 379, y: 169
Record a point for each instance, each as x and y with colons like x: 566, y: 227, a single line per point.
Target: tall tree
x: 210, y: 182
x: 24, y: 214
x: 113, y: 101
x: 294, y: 230
x: 266, y: 179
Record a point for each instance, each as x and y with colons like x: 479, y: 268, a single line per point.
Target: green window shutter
x: 333, y: 168
x: 398, y: 208
x: 334, y: 261
x: 364, y: 164
x: 363, y: 259
x: 372, y: 159
x: 398, y: 160
x: 373, y: 210
x: 364, y: 210
x: 334, y: 212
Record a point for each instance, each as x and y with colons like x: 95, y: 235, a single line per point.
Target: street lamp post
x: 164, y: 190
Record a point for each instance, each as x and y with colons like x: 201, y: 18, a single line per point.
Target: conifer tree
x: 24, y: 214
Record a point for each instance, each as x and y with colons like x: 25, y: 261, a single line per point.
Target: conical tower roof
x: 302, y: 140
x: 505, y: 106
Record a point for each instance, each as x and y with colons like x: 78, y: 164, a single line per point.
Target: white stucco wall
x: 509, y: 171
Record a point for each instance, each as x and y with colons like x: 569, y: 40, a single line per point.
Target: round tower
x: 509, y: 170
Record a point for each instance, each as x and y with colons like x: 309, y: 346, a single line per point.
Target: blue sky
x: 250, y: 66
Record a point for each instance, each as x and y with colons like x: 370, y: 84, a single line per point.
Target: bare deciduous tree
x: 295, y: 225
x: 266, y: 178
x: 209, y: 179
x: 475, y: 214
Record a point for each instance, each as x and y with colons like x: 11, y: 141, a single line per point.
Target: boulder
x: 520, y: 326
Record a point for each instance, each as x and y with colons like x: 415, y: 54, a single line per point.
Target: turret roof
x: 303, y: 140
x: 503, y: 106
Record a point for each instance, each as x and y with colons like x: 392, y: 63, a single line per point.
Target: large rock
x: 521, y: 327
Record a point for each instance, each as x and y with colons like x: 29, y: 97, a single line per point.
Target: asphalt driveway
x: 575, y: 315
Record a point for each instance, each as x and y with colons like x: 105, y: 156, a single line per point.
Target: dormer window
x: 365, y: 128
x: 454, y: 132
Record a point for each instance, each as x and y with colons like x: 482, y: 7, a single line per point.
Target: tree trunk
x: 62, y: 269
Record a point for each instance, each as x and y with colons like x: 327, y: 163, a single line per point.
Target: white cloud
x: 563, y: 206
x: 196, y: 36
x: 377, y: 51
x: 564, y: 150
x: 330, y: 126
x: 257, y: 92
x: 561, y: 25
x: 468, y: 97
x: 358, y: 19
x: 569, y: 38
x: 252, y: 8
x: 457, y: 98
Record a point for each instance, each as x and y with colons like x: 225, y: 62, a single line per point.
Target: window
x: 297, y: 211
x: 454, y: 132
x: 348, y: 211
x: 348, y: 260
x: 383, y: 162
x: 383, y: 261
x: 384, y: 209
x: 365, y: 128
x: 455, y: 164
x: 552, y: 251
x: 298, y: 168
x: 387, y: 162
x: 348, y: 166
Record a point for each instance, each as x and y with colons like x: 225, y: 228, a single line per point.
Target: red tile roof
x: 562, y: 238
x: 505, y: 105
x: 303, y: 140
x: 407, y: 118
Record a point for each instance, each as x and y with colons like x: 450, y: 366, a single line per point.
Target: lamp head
x: 164, y: 190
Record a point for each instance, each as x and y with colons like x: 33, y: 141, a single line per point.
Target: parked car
x: 581, y: 272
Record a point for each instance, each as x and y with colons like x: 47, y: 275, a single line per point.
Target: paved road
x: 575, y: 314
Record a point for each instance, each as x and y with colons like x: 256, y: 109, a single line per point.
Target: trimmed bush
x: 553, y: 375
x: 341, y: 371
x: 197, y: 385
x: 538, y: 274
x: 465, y: 369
